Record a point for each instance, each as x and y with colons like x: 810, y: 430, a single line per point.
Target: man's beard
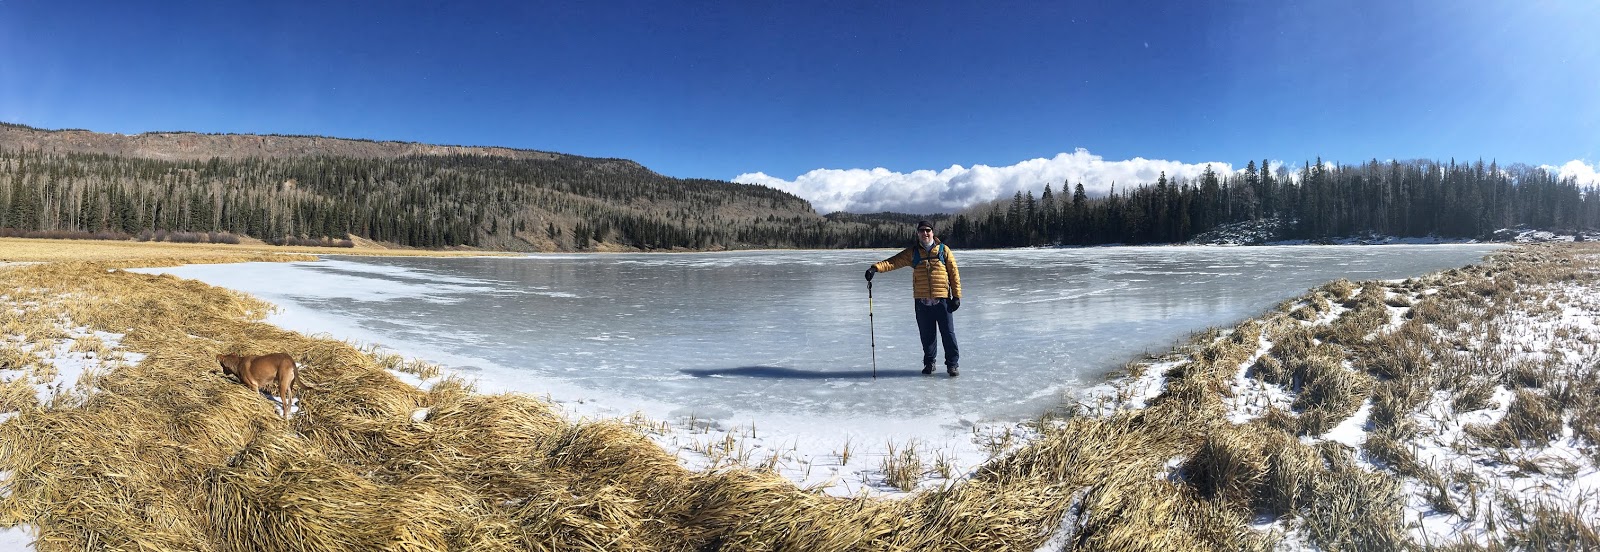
x: 926, y: 243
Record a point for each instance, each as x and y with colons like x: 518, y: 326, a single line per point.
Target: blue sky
x: 916, y: 106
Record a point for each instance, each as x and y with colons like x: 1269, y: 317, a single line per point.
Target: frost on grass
x: 1456, y: 409
x: 46, y: 359
x: 1459, y: 409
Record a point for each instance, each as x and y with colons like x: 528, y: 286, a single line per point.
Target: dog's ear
x: 226, y: 362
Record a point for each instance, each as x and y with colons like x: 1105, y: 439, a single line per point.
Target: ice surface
x: 787, y: 331
x: 778, y: 340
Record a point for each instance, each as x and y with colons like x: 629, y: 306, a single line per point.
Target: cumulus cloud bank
x: 953, y: 189
x: 1584, y: 173
x: 956, y: 188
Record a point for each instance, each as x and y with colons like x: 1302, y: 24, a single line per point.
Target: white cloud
x: 956, y: 188
x: 1584, y: 173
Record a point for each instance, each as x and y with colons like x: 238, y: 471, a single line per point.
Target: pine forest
x: 571, y: 203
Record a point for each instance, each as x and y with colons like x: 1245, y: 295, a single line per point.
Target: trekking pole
x: 872, y: 331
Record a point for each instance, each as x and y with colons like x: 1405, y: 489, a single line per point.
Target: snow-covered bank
x: 576, y: 330
x: 1470, y: 474
x: 1270, y: 232
x: 1257, y: 398
x: 52, y: 366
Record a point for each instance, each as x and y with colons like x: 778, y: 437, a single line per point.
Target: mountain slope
x: 310, y: 187
x: 192, y: 146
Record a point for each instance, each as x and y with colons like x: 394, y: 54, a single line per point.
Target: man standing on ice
x: 936, y: 287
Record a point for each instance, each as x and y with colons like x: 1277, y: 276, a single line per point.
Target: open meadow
x: 1455, y: 411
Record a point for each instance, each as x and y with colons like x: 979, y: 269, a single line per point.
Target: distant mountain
x: 298, y: 188
x: 330, y: 190
x: 193, y: 146
x: 888, y: 217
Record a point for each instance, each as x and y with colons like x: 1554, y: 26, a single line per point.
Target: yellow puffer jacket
x: 935, y: 277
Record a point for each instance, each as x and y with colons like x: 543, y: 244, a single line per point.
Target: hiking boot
x: 953, y: 370
x: 927, y: 369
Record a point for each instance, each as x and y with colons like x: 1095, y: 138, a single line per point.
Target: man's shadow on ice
x: 778, y: 372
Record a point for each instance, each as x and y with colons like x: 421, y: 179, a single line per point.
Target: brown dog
x: 260, y: 372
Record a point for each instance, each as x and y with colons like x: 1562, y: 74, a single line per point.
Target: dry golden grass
x: 902, y: 466
x: 169, y: 455
x: 1453, y: 338
x: 132, y: 253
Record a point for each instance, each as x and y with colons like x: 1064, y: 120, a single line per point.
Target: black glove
x: 954, y: 302
x: 870, y: 271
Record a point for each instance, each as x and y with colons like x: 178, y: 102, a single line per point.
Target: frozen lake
x: 743, y: 335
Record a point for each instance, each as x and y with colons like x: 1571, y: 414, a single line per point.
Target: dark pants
x: 937, y: 316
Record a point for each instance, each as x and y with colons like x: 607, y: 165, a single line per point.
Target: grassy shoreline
x: 128, y: 254
x: 154, y: 450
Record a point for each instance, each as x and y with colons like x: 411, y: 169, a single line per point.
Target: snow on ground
x: 856, y: 460
x: 1560, y: 472
x: 64, y: 372
x: 83, y: 353
x: 839, y: 460
x: 842, y: 457
x: 1266, y: 232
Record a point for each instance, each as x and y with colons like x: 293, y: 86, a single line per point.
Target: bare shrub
x: 1394, y: 400
x: 310, y: 242
x: 1229, y: 465
x: 903, y: 468
x: 1389, y: 446
x: 1351, y: 509
x: 14, y: 357
x: 17, y: 394
x: 1437, y: 492
x: 1291, y: 469
x: 1292, y: 346
x: 1397, y: 300
x: 1542, y: 525
x: 1528, y: 373
x: 1586, y: 426
x: 1268, y: 369
x: 1353, y: 327
x: 1330, y: 394
x: 1280, y: 420
x: 1473, y: 396
x: 1398, y: 354
x: 1338, y: 290
x: 1304, y: 313
x: 185, y: 237
x: 1531, y: 418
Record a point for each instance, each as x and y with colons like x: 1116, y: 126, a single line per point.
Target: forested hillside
x: 1407, y: 199
x: 328, y: 189
x: 303, y: 189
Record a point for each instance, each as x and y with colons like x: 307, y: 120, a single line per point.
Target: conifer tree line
x: 1404, y: 199
x: 579, y: 203
x: 429, y: 201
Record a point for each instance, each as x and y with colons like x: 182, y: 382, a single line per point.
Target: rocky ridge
x: 192, y: 146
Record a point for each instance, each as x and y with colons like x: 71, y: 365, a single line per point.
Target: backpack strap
x: 916, y: 254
